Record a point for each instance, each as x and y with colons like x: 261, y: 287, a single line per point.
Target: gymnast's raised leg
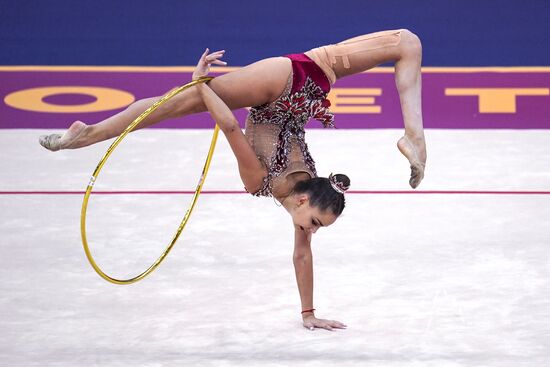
x: 365, y: 52
x: 252, y: 85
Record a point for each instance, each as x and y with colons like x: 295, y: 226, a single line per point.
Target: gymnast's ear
x: 301, y: 199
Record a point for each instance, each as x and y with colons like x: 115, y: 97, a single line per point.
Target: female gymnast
x: 272, y: 156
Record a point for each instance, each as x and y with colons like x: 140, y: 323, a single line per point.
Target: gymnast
x: 284, y: 93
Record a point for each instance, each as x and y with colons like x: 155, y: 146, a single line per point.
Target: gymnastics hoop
x: 130, y: 127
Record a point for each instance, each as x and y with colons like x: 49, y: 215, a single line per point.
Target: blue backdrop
x: 111, y: 32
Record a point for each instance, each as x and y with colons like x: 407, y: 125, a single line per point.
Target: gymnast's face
x: 309, y: 218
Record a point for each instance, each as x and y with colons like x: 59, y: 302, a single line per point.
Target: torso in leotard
x: 276, y: 130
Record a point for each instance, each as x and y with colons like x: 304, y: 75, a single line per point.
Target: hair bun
x: 339, y: 182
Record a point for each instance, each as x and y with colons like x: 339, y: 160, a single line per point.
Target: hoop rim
x: 103, y: 160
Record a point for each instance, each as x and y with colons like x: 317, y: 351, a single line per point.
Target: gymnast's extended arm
x: 303, y: 266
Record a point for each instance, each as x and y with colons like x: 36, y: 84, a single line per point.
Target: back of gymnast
x: 273, y: 158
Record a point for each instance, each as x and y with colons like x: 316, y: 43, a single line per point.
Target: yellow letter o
x: 32, y: 99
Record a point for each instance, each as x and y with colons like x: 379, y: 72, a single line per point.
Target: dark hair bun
x: 343, y: 181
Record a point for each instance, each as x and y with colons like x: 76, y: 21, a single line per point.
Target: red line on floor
x: 229, y: 192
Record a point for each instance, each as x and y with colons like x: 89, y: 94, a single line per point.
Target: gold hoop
x: 130, y: 127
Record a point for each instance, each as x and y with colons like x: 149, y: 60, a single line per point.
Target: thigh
x: 361, y: 53
x: 253, y: 85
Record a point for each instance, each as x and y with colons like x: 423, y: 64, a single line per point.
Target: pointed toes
x: 417, y: 174
x: 50, y: 142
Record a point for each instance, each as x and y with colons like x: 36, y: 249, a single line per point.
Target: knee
x: 411, y: 46
x: 186, y: 103
x: 145, y: 103
x: 171, y: 109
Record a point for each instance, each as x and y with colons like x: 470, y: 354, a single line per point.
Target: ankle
x: 84, y: 138
x: 94, y: 134
x: 415, y: 136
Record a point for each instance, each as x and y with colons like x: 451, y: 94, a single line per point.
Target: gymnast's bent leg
x: 252, y: 85
x: 365, y: 52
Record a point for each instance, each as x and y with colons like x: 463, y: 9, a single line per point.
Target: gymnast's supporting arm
x: 303, y: 266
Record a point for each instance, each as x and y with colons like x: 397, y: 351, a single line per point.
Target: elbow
x: 301, y: 259
x: 229, y: 125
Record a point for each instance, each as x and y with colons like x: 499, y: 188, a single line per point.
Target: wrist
x: 308, y: 313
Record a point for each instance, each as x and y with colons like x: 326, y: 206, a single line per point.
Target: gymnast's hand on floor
x: 203, y: 67
x: 311, y: 322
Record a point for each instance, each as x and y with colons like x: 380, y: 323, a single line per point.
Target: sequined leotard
x: 276, y: 130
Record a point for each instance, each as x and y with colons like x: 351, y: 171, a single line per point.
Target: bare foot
x: 55, y: 142
x: 415, y: 151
